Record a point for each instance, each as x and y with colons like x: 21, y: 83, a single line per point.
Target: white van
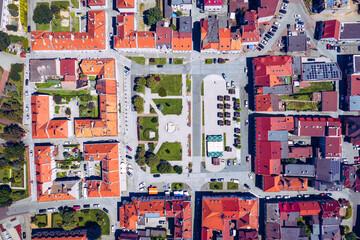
x: 234, y: 180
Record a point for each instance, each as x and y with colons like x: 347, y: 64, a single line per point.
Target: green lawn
x: 178, y: 60
x: 146, y: 126
x: 177, y: 186
x: 61, y: 175
x: 170, y: 106
x: 203, y: 114
x: 157, y: 61
x: 305, y: 97
x: 75, y: 3
x: 46, y: 84
x: 4, y: 173
x: 18, y: 175
x: 56, y: 220
x: 302, y: 106
x: 208, y: 61
x: 202, y: 88
x: 75, y: 23
x: 56, y: 26
x: 203, y: 145
x: 138, y: 60
x: 170, y: 151
x: 153, y: 170
x: 39, y: 218
x: 57, y: 109
x: 232, y: 186
x: 43, y: 27
x: 216, y: 186
x: 317, y: 87
x: 171, y: 82
x: 61, y: 4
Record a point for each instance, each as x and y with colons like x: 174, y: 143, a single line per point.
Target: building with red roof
x: 107, y: 156
x: 329, y: 101
x: 330, y: 209
x: 331, y: 30
x: 266, y: 10
x: 163, y: 36
x: 213, y: 5
x: 68, y: 67
x: 309, y: 208
x: 331, y: 147
x: 349, y: 174
x: 250, y: 31
x: 96, y: 3
x: 133, y: 214
x: 352, y: 129
x: 127, y: 5
x: 317, y: 127
x: 227, y: 214
x: 94, y: 39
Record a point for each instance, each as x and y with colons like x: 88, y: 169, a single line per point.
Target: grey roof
x: 327, y: 169
x: 278, y: 135
x: 331, y: 232
x: 296, y: 65
x: 185, y: 24
x: 321, y: 71
x: 327, y: 186
x: 237, y: 5
x: 354, y: 103
x: 350, y: 31
x: 167, y: 9
x: 213, y: 29
x: 296, y: 43
x: 331, y: 221
x: 284, y: 149
x: 41, y: 68
x: 292, y: 233
x: 1, y: 9
x: 301, y: 170
x: 272, y: 230
x: 281, y: 89
x: 178, y: 2
x: 316, y: 229
x: 356, y: 63
x: 272, y: 212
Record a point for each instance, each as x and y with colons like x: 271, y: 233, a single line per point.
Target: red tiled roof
x: 125, y: 3
x: 213, y: 2
x: 267, y: 8
x: 331, y: 147
x: 331, y: 29
x: 330, y: 209
x: 181, y: 41
x: 309, y: 208
x: 163, y: 35
x: 316, y: 127
x: 96, y: 2
x: 273, y: 65
x: 250, y: 31
x: 329, y: 101
x: 67, y: 67
x: 299, y: 152
x: 354, y: 85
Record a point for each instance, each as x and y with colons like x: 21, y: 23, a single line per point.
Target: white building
x: 4, y: 14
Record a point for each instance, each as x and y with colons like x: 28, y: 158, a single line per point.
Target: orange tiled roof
x: 309, y: 208
x: 277, y: 184
x: 96, y: 2
x: 125, y: 3
x: 42, y: 156
x: 217, y: 212
x: 42, y: 126
x: 108, y: 154
x: 62, y: 238
x: 273, y: 65
x: 181, y: 41
x: 94, y: 39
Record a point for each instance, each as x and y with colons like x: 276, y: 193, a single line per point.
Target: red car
x: 75, y: 149
x: 247, y: 158
x: 328, y: 46
x: 322, y: 194
x: 356, y: 158
x: 128, y: 148
x: 357, y: 162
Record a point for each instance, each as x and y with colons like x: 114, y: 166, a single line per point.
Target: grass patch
x: 154, y: 170
x: 23, y: 12
x: 203, y: 145
x: 56, y: 220
x: 2, y: 131
x: 232, y: 186
x: 61, y: 175
x: 43, y: 27
x: 216, y: 186
x: 202, y: 88
x: 178, y: 60
x: 224, y: 136
x: 56, y: 26
x: 138, y: 60
x: 18, y: 175
x: 47, y: 84
x: 39, y: 218
x: 177, y: 186
x: 75, y: 23
x: 188, y: 85
x: 208, y: 61
x: 317, y: 87
x: 75, y: 3
x: 157, y: 61
x: 57, y: 109
x: 4, y: 173
x: 203, y: 114
x: 171, y: 82
x: 61, y: 4
x: 147, y: 125
x: 169, y: 106
x: 304, y: 97
x: 302, y: 106
x: 171, y: 151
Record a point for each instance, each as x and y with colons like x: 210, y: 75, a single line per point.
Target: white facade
x: 181, y: 7
x: 4, y: 14
x: 213, y: 8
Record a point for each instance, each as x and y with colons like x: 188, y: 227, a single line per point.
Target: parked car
x: 261, y: 46
x: 214, y: 60
x: 31, y: 153
x: 24, y: 235
x: 286, y: 196
x: 357, y: 162
x: 27, y: 82
x: 301, y: 23
x: 142, y: 184
x: 271, y: 34
x: 128, y: 157
x: 266, y: 38
x: 128, y: 148
x: 142, y: 189
x: 267, y: 197
x: 246, y: 123
x: 245, y: 69
x: 246, y: 103
x: 86, y: 206
x: 223, y: 75
x: 76, y: 207
x: 234, y: 180
x: 105, y: 210
x: 51, y: 210
x: 42, y: 210
x: 247, y: 158
x: 301, y: 142
x: 264, y: 42
x: 297, y: 15
x: 156, y: 175
x: 96, y: 205
x: 129, y: 173
x: 213, y: 180
x: 282, y: 11
x: 322, y: 194
x: 220, y: 179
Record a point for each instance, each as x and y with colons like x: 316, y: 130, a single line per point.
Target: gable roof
x: 329, y: 101
x: 331, y: 29
x: 125, y: 3
x: 273, y: 65
x: 250, y: 31
x: 67, y: 67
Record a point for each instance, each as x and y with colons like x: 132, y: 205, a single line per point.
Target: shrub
x: 348, y: 212
x: 173, y: 27
x: 150, y: 82
x: 164, y: 167
x: 141, y: 81
x: 41, y: 225
x: 153, y: 15
x: 68, y: 111
x: 178, y: 169
x: 139, y: 104
x: 13, y: 10
x: 162, y: 92
x: 154, y: 120
x: 152, y: 60
x: 4, y: 41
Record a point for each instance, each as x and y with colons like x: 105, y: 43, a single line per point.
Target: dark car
x: 338, y: 49
x: 170, y: 60
x: 24, y: 235
x: 213, y: 180
x: 128, y: 157
x: 42, y: 210
x: 288, y: 26
x: 268, y: 36
x: 261, y: 46
x: 156, y: 175
x: 282, y: 11
x: 27, y: 82
x: 60, y: 208
x: 328, y: 46
x: 215, y: 60
x: 105, y: 210
x: 29, y: 28
x: 359, y: 46
x: 83, y: 17
x: 86, y: 205
x: 247, y: 186
x: 329, y: 194
x: 84, y: 3
x: 301, y: 23
x: 28, y: 49
x: 311, y: 59
x: 159, y: 66
x: 274, y: 27
x: 270, y: 33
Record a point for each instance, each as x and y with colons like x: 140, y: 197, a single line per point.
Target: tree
x: 173, y: 27
x: 5, y: 196
x: 138, y: 103
x: 4, y: 41
x: 67, y: 111
x: 162, y: 92
x: 153, y: 15
x: 141, y: 161
x: 55, y: 9
x: 42, y: 14
x: 68, y: 216
x: 344, y: 229
x: 57, y: 98
x: 18, y: 67
x: 13, y: 10
x: 350, y: 236
x: 178, y: 169
x: 13, y: 133
x: 14, y: 75
x: 141, y: 81
x: 348, y: 212
x: 152, y: 160
x: 93, y: 230
x: 150, y: 82
x: 14, y: 150
x: 13, y: 28
x: 164, y: 167
x: 179, y: 13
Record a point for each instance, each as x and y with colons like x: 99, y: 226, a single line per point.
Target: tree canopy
x: 4, y: 41
x: 14, y: 150
x: 152, y: 160
x: 164, y: 167
x: 350, y: 236
x: 138, y: 103
x: 5, y: 196
x: 13, y: 9
x: 68, y: 216
x: 93, y: 230
x: 13, y: 133
x: 153, y: 15
x: 42, y: 14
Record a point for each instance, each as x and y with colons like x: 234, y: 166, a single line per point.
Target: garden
x: 148, y: 128
x: 170, y: 151
x: 157, y: 61
x: 164, y: 85
x: 138, y: 60
x: 169, y: 106
x: 216, y: 186
x: 232, y: 186
x: 177, y: 186
x: 317, y: 87
x: 40, y: 220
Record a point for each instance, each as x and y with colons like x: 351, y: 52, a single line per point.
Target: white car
x: 276, y: 24
x: 283, y: 8
x: 280, y: 41
x: 250, y: 175
x: 142, y: 189
x: 280, y: 45
x: 142, y: 184
x: 297, y: 15
x: 264, y: 42
x: 27, y: 107
x: 284, y: 4
x: 51, y: 210
x: 234, y: 180
x: 112, y: 228
x: 26, y: 93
